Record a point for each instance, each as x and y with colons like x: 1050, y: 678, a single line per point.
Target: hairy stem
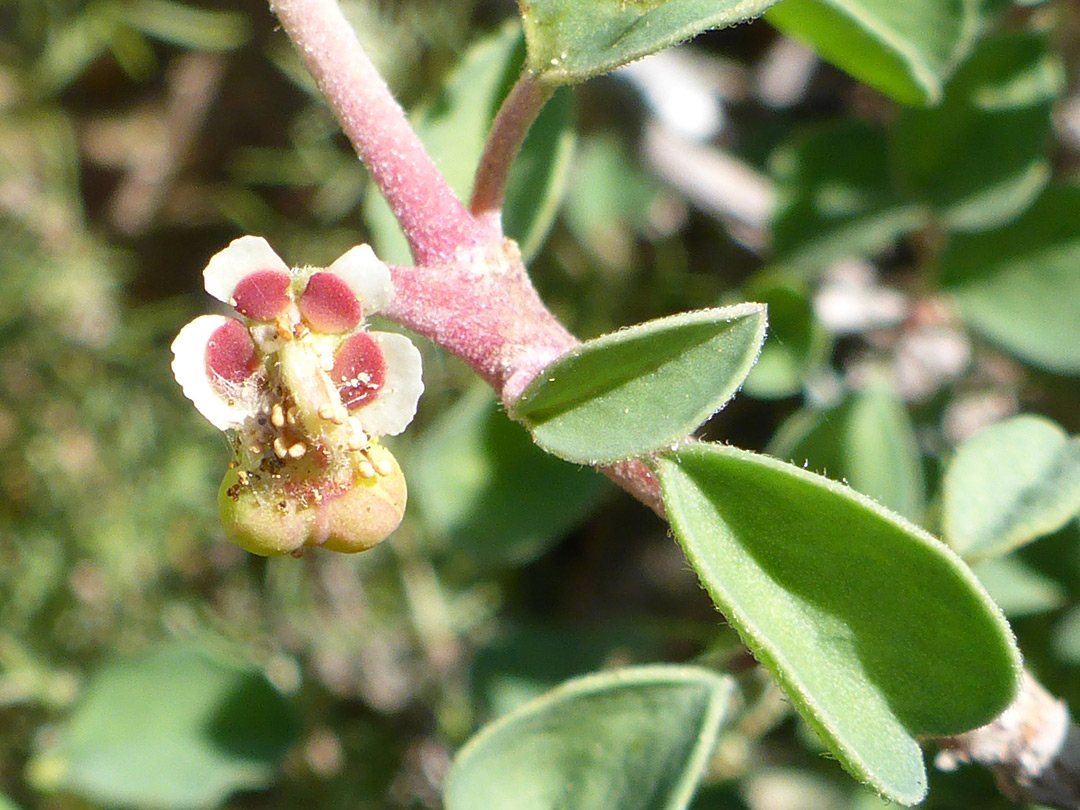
x: 434, y: 221
x: 516, y: 115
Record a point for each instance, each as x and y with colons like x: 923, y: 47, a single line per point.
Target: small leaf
x: 573, y: 40
x: 877, y: 632
x: 523, y: 661
x: 1019, y: 287
x: 905, y: 50
x: 608, y: 202
x: 1009, y: 484
x: 867, y: 442
x: 187, y: 26
x: 1066, y: 636
x: 637, y: 737
x: 454, y: 126
x: 169, y: 729
x: 635, y: 391
x: 481, y: 483
x: 795, y: 345
x: 1017, y: 589
x: 837, y: 198
x: 981, y: 156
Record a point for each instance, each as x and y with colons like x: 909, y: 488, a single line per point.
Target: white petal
x: 395, y: 406
x: 230, y: 266
x: 368, y: 277
x: 189, y: 368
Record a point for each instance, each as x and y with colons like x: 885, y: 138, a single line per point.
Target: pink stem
x: 491, y: 316
x: 516, y: 115
x: 433, y: 219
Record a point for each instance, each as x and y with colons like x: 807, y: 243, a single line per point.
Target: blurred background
x: 145, y: 662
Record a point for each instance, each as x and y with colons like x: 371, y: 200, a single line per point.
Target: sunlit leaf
x: 573, y: 40
x: 877, y: 632
x: 903, y: 49
x: 1019, y: 286
x: 1017, y: 589
x: 635, y: 391
x: 627, y: 738
x: 1009, y: 484
x: 172, y: 729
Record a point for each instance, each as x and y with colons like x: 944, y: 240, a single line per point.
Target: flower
x: 306, y: 391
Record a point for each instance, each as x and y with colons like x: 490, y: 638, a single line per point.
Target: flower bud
x: 267, y: 517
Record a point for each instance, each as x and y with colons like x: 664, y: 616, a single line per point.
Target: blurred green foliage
x: 138, y: 136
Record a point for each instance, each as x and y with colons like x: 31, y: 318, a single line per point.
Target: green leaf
x: 877, y: 632
x: 837, y: 198
x: 1066, y: 636
x: 1009, y: 484
x: 868, y: 442
x: 1018, y: 286
x: 632, y: 738
x: 795, y: 344
x: 187, y: 26
x: 523, y: 661
x: 609, y: 199
x: 635, y: 391
x: 482, y: 484
x: 169, y: 729
x: 1017, y: 589
x: 573, y: 40
x: 980, y: 157
x: 454, y: 126
x: 905, y: 50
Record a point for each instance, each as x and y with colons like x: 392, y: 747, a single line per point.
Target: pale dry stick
x: 471, y: 295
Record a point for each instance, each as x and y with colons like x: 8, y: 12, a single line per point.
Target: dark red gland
x: 329, y: 305
x: 262, y: 295
x: 359, y: 370
x: 230, y: 355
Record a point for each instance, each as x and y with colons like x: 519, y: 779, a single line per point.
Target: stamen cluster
x: 306, y: 391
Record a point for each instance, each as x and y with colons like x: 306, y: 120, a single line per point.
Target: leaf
x: 573, y: 40
x: 172, y: 729
x: 905, y: 50
x: 868, y: 442
x: 876, y: 631
x: 837, y: 198
x: 1018, y: 286
x: 795, y: 344
x: 981, y: 157
x: 1017, y: 589
x: 481, y: 483
x: 1009, y: 484
x: 632, y: 738
x: 454, y: 126
x: 1066, y: 636
x: 185, y: 25
x: 523, y: 661
x: 609, y: 199
x: 637, y: 390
